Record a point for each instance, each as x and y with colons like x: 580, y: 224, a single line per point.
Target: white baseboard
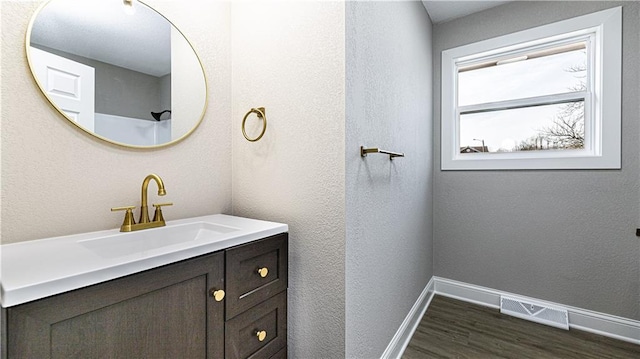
x: 603, y: 324
x: 402, y: 337
x: 582, y: 319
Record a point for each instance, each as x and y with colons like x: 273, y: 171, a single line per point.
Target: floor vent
x: 535, y: 312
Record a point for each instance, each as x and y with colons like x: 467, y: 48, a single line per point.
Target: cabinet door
x: 161, y: 313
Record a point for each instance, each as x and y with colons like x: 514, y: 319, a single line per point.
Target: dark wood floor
x: 456, y: 329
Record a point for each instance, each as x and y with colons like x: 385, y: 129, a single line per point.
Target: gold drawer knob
x: 262, y: 335
x: 264, y: 271
x: 218, y: 295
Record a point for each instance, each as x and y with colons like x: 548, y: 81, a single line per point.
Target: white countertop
x: 36, y: 269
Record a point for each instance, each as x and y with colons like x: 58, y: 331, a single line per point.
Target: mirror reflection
x: 117, y: 69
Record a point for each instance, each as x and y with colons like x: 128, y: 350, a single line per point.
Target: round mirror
x: 117, y: 69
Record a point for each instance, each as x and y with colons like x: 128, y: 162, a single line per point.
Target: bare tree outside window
x: 567, y: 129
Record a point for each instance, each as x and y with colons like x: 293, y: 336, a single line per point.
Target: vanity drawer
x: 242, y: 333
x: 246, y: 286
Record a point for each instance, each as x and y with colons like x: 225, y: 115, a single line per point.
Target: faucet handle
x: 157, y: 216
x: 158, y: 205
x: 125, y: 208
x: 128, y: 217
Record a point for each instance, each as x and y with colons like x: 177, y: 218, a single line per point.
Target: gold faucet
x: 129, y: 224
x: 144, y: 211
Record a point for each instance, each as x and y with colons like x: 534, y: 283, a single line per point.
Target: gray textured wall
x: 165, y: 93
x: 127, y: 93
x: 564, y: 236
x: 388, y: 203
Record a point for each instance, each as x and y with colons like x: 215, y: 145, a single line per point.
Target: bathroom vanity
x: 225, y: 296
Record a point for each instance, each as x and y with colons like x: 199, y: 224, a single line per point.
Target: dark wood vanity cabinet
x: 166, y: 312
x: 160, y: 313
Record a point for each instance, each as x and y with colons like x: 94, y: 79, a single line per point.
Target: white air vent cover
x: 535, y: 312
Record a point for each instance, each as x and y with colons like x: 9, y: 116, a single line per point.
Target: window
x: 544, y: 98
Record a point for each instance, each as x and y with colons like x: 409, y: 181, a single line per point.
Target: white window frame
x: 603, y: 32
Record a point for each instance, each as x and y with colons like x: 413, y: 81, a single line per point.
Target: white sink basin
x: 127, y: 243
x: 36, y: 269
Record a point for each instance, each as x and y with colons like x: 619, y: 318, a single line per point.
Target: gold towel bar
x: 364, y: 151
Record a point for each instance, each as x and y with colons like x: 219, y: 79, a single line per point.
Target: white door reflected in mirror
x: 70, y: 84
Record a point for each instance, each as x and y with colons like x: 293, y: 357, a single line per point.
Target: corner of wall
x: 289, y: 58
x: 388, y: 215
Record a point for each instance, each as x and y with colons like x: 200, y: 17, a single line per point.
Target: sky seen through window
x: 503, y: 130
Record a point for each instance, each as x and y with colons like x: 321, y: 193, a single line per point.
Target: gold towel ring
x: 261, y: 114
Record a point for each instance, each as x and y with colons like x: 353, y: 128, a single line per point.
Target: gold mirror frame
x: 195, y: 125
